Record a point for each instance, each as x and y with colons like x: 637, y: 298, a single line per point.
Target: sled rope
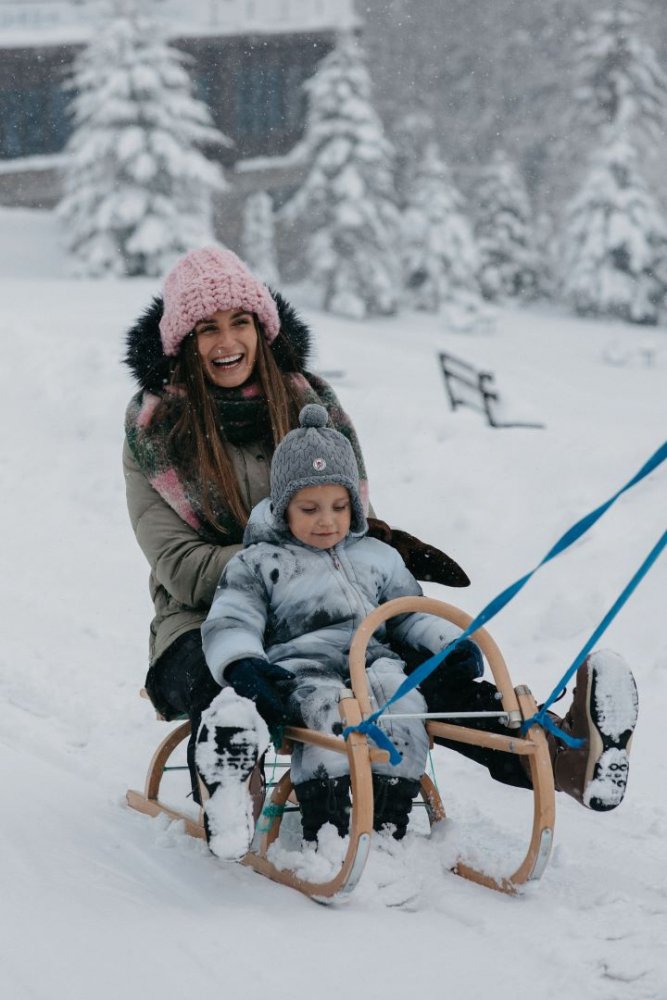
x: 541, y: 718
x: 368, y: 726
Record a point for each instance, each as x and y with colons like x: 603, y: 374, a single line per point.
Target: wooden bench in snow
x: 471, y: 387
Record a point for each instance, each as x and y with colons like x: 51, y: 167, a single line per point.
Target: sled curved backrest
x: 428, y: 606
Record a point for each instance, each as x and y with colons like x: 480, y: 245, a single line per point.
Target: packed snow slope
x: 99, y: 901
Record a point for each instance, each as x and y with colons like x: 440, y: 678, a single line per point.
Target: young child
x: 279, y: 633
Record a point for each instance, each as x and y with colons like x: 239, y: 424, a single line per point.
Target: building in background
x: 250, y: 58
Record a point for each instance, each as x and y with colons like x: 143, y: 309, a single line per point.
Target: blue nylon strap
x: 501, y: 600
x: 380, y: 739
x: 541, y: 718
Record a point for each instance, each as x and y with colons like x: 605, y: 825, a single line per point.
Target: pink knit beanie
x: 204, y: 281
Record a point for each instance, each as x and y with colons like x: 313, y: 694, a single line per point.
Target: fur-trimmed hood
x: 152, y: 369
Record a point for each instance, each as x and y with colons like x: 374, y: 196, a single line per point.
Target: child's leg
x: 395, y: 787
x: 324, y: 800
x: 320, y: 777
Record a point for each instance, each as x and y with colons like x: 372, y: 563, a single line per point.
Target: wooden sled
x: 518, y: 704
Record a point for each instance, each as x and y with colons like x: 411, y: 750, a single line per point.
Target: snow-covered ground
x: 99, y: 901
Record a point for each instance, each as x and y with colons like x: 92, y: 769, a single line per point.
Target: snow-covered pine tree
x: 440, y: 259
x: 346, y: 205
x: 410, y: 135
x: 614, y: 240
x: 614, y: 237
x: 137, y: 184
x: 258, y: 245
x: 620, y: 81
x: 508, y: 258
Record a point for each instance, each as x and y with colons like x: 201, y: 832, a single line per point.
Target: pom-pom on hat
x: 204, y: 281
x: 314, y: 455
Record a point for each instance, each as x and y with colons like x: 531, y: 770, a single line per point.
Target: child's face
x: 320, y: 515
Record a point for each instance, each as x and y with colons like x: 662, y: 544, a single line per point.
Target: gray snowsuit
x: 299, y: 607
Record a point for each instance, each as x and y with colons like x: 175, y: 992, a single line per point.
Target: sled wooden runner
x: 517, y: 703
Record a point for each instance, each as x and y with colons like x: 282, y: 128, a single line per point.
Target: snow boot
x: 392, y: 803
x: 604, y: 714
x: 231, y: 738
x: 324, y: 800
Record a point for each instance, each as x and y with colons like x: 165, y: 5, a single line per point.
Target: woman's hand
x: 424, y: 561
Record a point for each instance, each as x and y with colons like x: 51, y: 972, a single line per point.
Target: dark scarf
x: 242, y: 417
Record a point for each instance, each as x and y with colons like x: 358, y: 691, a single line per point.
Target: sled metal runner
x: 518, y: 705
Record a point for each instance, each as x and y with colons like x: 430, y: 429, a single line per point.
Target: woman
x: 221, y: 366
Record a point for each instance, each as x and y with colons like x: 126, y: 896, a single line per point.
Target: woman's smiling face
x: 227, y: 346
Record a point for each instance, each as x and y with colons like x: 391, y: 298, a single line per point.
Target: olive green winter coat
x: 184, y: 569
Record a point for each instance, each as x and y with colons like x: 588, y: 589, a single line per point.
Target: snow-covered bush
x: 346, y: 205
x: 439, y: 254
x: 613, y: 243
x: 620, y: 81
x: 615, y: 235
x: 258, y: 246
x: 508, y: 261
x: 137, y: 184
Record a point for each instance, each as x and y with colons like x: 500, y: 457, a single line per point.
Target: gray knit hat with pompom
x: 314, y: 455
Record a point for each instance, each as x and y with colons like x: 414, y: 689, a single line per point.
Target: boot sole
x: 228, y: 812
x: 612, y: 706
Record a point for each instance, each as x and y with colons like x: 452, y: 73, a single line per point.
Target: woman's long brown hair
x: 196, y: 436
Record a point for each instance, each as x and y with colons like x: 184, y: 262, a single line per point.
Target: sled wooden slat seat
x: 518, y: 704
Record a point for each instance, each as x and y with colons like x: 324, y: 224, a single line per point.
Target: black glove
x: 424, y: 561
x: 464, y: 663
x: 261, y: 682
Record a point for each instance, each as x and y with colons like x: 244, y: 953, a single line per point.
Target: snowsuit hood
x: 263, y: 527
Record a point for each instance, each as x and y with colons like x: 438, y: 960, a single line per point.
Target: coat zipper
x: 357, y: 605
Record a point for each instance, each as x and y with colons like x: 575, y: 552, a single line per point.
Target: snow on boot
x: 603, y: 713
x: 392, y: 803
x: 324, y: 800
x: 232, y: 736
